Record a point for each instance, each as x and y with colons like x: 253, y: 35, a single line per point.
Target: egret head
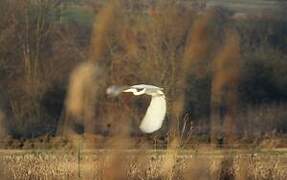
x: 137, y: 90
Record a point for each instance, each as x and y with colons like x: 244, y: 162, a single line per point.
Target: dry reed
x: 226, y: 71
x: 103, y: 25
x: 3, y: 131
x: 88, y: 80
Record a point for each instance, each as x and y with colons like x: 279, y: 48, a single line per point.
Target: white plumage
x: 156, y: 111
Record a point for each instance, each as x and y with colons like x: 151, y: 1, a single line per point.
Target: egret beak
x: 114, y: 91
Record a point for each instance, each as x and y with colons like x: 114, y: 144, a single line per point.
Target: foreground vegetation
x: 144, y: 164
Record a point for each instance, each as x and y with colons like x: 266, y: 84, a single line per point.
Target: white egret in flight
x: 156, y: 111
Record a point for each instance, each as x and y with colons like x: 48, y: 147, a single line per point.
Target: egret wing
x: 155, y: 115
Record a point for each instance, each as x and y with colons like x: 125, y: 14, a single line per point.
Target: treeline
x: 211, y: 65
x: 39, y: 47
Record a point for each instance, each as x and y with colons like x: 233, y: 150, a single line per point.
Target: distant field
x: 143, y: 164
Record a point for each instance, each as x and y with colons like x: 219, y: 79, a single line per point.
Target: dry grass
x: 81, y: 98
x: 88, y: 79
x: 103, y: 25
x: 224, y: 100
x: 93, y: 165
x: 2, y: 125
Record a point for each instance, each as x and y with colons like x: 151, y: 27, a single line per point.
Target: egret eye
x: 139, y: 89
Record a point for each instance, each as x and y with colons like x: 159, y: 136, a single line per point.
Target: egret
x: 156, y: 111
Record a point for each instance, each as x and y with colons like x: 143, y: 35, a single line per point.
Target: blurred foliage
x: 42, y: 41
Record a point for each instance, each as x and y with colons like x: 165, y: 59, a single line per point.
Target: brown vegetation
x: 224, y: 80
x: 224, y: 100
x: 87, y: 165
